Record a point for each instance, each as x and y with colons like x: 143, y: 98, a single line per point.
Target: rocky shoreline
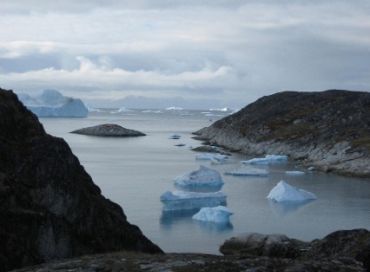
x: 327, y: 130
x: 340, y: 251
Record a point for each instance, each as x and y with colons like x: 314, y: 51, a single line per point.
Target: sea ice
x: 211, y: 157
x: 294, y: 173
x: 203, y: 178
x: 174, y: 109
x: 51, y: 103
x: 268, y: 159
x: 219, y: 214
x: 283, y: 192
x: 248, y: 171
x: 179, y: 200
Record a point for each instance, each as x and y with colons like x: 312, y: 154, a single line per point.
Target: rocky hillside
x: 50, y: 207
x: 329, y: 130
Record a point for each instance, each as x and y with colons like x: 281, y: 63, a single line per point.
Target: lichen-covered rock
x: 50, y: 207
x: 328, y: 130
x: 108, y: 130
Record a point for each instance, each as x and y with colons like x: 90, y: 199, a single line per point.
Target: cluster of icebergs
x: 198, y: 190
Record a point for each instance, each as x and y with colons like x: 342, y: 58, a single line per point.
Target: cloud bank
x: 234, y: 51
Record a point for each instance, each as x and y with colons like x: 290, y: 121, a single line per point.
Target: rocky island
x: 328, y: 130
x: 50, y: 207
x: 108, y: 130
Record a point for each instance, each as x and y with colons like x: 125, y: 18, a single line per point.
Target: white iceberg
x: 248, y: 171
x: 179, y: 200
x: 268, y: 159
x: 203, y: 178
x: 295, y: 173
x: 52, y: 103
x: 283, y: 192
x: 219, y: 214
x: 173, y: 108
x: 221, y: 109
x: 211, y: 157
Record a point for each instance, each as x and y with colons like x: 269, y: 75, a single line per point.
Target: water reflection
x: 215, y: 227
x: 287, y: 207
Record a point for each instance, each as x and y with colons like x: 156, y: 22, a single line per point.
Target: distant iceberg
x: 203, y: 178
x: 52, y: 103
x: 211, y: 157
x: 268, y: 159
x: 222, y: 109
x: 174, y: 109
x: 179, y: 200
x: 219, y: 214
x: 283, y: 192
x: 295, y: 173
x: 248, y: 171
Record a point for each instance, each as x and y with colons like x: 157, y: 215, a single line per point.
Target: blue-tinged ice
x: 294, y: 173
x: 174, y: 136
x: 214, y: 157
x: 180, y: 200
x: 268, y: 159
x: 248, y: 171
x: 219, y: 214
x: 283, y: 192
x: 203, y: 178
x: 52, y: 103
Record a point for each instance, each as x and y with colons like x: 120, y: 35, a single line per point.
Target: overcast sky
x: 225, y: 50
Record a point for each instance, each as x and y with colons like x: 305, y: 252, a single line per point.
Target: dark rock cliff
x: 50, y: 207
x: 329, y: 130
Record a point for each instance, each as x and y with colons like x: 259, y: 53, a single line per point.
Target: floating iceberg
x: 179, y: 200
x: 294, y: 173
x: 222, y: 109
x: 203, y: 178
x: 248, y: 171
x: 211, y: 157
x: 283, y: 192
x: 268, y: 159
x: 51, y: 103
x: 219, y: 214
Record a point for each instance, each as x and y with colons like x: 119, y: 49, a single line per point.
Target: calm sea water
x: 134, y: 172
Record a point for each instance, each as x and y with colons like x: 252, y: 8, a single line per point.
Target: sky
x: 221, y: 52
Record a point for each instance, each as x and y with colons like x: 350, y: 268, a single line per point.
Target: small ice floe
x: 248, y: 171
x: 219, y: 215
x: 211, y: 157
x: 181, y: 144
x: 295, y: 173
x: 268, y: 159
x: 203, y: 178
x: 180, y: 200
x: 283, y: 192
x: 175, y: 136
x: 311, y: 168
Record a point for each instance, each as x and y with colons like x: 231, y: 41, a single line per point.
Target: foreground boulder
x: 50, y: 207
x: 347, y: 246
x: 328, y: 130
x: 108, y: 130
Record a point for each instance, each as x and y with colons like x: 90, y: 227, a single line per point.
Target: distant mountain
x: 329, y: 130
x: 143, y: 102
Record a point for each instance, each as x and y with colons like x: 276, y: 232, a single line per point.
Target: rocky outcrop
x: 108, y: 130
x: 345, y: 245
x: 50, y: 207
x: 328, y: 130
x: 255, y: 252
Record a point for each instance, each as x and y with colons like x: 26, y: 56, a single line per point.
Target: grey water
x: 134, y: 172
